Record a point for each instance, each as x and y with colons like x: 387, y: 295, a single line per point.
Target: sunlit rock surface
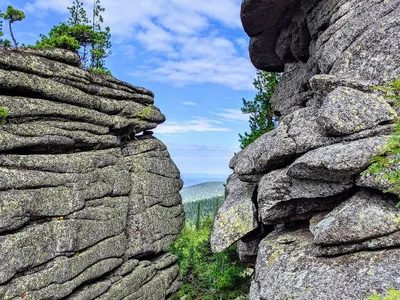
x: 336, y: 234
x: 89, y: 199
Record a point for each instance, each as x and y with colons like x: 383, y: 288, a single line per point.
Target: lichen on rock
x: 335, y: 233
x: 88, y: 207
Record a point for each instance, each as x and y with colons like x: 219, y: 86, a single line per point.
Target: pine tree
x: 80, y: 29
x: 102, y: 41
x: 198, y: 217
x: 3, y: 43
x: 12, y: 15
x: 216, y: 206
x: 262, y: 118
x: 78, y: 14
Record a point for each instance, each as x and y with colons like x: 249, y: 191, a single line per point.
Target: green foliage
x: 206, y: 275
x: 12, y: 15
x: 145, y: 113
x: 100, y: 71
x: 208, y: 207
x: 100, y: 49
x: 391, y: 91
x: 3, y: 115
x: 386, y: 165
x: 392, y: 295
x: 60, y: 36
x: 198, y: 215
x: 262, y: 118
x: 3, y: 43
x: 77, y: 14
x: 83, y: 36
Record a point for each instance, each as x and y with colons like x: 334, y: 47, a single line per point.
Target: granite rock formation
x: 322, y: 230
x: 89, y: 199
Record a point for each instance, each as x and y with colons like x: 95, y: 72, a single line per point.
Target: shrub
x: 392, y: 295
x: 206, y: 275
x: 3, y: 115
x: 386, y: 165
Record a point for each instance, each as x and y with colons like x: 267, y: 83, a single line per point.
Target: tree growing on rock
x: 262, y: 118
x: 101, y: 49
x: 85, y: 37
x: 12, y: 15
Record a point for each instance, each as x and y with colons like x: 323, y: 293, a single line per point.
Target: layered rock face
x: 322, y: 230
x: 88, y: 205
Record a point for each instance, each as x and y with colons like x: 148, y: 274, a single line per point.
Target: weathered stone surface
x: 247, y: 251
x: 316, y: 218
x: 88, y: 207
x: 323, y: 84
x: 289, y: 269
x: 379, y: 181
x: 364, y: 216
x: 280, y: 196
x: 338, y: 162
x: 60, y: 55
x: 346, y: 111
x: 293, y: 87
x: 367, y: 49
x: 296, y: 134
x: 237, y: 215
x: 262, y: 20
x: 270, y: 150
x: 48, y: 99
x: 383, y: 242
x: 332, y: 122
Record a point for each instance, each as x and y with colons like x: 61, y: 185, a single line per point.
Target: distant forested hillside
x: 203, y: 191
x: 206, y: 208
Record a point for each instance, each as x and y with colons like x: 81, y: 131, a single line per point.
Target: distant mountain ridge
x: 191, y: 179
x: 203, y: 191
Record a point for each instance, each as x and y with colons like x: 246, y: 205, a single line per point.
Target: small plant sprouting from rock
x: 392, y: 295
x: 3, y: 116
x: 386, y: 164
x: 13, y: 15
x: 145, y: 112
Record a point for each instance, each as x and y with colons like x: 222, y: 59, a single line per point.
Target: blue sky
x: 191, y: 54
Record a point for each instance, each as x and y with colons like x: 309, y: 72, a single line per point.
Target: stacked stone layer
x: 88, y: 205
x: 322, y: 230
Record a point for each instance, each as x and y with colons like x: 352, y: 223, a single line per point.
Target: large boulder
x: 237, y: 215
x: 88, y: 205
x: 339, y: 162
x: 281, y: 197
x: 336, y: 232
x: 364, y: 216
x: 346, y: 111
x: 289, y: 269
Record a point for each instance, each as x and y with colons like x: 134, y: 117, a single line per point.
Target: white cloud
x: 183, y: 42
x: 195, y: 125
x: 45, y: 6
x: 233, y: 115
x: 189, y: 103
